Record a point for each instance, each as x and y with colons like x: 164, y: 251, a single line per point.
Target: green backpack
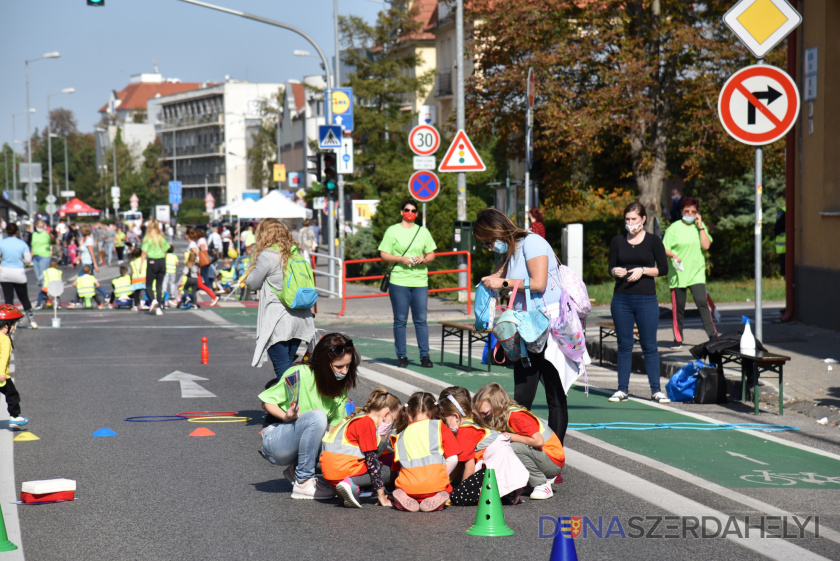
x: 298, y: 292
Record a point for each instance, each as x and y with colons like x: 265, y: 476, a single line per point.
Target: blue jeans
x: 416, y: 298
x: 643, y: 311
x: 282, y: 355
x: 297, y: 442
x: 40, y: 264
x: 109, y: 251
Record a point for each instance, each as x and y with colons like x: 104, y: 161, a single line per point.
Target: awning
x: 77, y: 207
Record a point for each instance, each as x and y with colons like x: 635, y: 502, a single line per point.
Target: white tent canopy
x: 248, y: 208
x: 274, y: 205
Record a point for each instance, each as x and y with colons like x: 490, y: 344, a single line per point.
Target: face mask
x: 634, y: 228
x: 500, y: 247
x: 39, y: 229
x: 689, y: 219
x: 339, y: 376
x: 409, y: 216
x: 385, y: 429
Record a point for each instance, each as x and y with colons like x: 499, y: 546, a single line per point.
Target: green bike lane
x: 727, y: 457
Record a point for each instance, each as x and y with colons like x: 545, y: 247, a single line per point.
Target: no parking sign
x: 424, y: 185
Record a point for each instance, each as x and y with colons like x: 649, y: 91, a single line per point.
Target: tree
x: 263, y: 152
x: 627, y: 91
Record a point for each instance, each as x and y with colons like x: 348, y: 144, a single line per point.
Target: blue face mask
x: 689, y: 219
x: 500, y: 247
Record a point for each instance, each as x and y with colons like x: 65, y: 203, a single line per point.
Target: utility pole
x: 337, y: 83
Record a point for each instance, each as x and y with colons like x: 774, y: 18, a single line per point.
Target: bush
x: 732, y: 254
x: 362, y: 245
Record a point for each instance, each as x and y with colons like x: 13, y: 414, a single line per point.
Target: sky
x: 101, y: 47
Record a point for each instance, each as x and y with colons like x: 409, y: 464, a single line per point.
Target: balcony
x: 444, y: 84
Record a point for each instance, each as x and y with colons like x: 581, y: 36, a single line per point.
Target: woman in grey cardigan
x: 280, y: 330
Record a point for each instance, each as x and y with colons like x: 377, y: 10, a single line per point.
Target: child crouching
x: 350, y: 450
x: 427, y: 452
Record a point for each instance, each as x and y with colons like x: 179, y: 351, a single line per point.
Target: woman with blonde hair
x: 280, y: 330
x: 155, y: 247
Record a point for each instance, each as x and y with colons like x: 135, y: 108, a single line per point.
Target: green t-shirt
x: 40, y: 244
x: 154, y: 251
x: 396, y: 241
x: 684, y: 240
x: 309, y: 399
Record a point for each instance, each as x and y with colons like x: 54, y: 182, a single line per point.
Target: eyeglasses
x: 410, y: 210
x: 339, y: 350
x: 489, y: 245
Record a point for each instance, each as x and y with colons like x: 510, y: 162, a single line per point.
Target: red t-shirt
x: 468, y: 438
x: 362, y: 433
x: 525, y: 425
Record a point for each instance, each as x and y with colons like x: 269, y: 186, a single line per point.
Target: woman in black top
x: 636, y: 259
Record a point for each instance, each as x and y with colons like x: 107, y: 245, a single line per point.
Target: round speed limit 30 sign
x: 758, y: 104
x: 424, y: 140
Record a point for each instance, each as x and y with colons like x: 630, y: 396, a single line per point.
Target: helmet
x: 232, y: 253
x: 9, y: 312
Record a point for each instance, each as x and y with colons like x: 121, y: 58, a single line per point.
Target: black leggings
x: 19, y: 288
x: 155, y: 271
x: 526, y: 381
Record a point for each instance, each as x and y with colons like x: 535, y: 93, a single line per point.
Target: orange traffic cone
x: 205, y: 354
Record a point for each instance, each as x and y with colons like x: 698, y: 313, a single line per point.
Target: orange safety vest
x: 419, y: 451
x: 488, y: 438
x: 341, y: 458
x: 551, y: 444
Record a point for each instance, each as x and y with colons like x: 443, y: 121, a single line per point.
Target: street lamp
x: 14, y: 152
x: 49, y: 131
x: 54, y: 54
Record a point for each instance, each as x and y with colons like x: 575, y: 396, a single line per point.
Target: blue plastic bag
x: 485, y: 306
x: 683, y: 383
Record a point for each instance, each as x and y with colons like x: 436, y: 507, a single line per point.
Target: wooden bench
x: 607, y: 329
x: 453, y: 329
x: 752, y: 366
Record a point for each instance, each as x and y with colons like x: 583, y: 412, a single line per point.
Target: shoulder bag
x: 386, y: 280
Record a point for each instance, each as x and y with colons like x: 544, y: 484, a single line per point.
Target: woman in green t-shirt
x: 409, y: 247
x: 155, y: 247
x: 685, y: 241
x: 302, y: 405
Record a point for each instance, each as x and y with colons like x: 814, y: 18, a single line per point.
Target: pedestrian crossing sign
x: 461, y: 156
x: 329, y: 136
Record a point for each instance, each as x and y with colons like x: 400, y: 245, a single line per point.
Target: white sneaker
x: 660, y: 397
x: 32, y: 324
x: 542, y: 492
x: 158, y: 312
x: 618, y: 396
x: 312, y: 489
x: 153, y: 307
x: 348, y: 491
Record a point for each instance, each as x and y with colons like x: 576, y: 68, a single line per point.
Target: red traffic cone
x: 563, y: 548
x: 205, y: 354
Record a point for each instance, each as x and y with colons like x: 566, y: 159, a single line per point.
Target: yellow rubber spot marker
x: 25, y: 436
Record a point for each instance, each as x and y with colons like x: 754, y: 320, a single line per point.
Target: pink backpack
x: 572, y: 284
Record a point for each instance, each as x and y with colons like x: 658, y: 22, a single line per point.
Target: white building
x: 303, y: 112
x: 206, y: 134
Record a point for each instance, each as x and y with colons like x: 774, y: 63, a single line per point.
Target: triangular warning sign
x: 24, y: 436
x: 461, y: 156
x: 201, y: 431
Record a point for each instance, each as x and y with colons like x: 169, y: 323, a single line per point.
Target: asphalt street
x: 153, y: 492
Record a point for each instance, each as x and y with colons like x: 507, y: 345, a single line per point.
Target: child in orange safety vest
x: 534, y: 443
x: 350, y: 450
x: 426, y: 452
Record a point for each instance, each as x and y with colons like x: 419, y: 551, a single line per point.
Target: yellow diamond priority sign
x: 762, y: 24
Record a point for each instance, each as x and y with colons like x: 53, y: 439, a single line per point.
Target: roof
x: 427, y: 15
x: 135, y: 96
x: 299, y: 91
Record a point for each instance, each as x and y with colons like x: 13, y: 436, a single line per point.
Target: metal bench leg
x: 755, y: 385
x: 743, y: 382
x: 486, y: 341
x: 601, y: 346
x: 469, y: 352
x: 781, y: 390
x: 461, y: 352
x: 442, y: 341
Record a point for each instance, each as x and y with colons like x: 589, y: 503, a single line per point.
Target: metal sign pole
x: 461, y: 124
x: 527, y: 218
x: 331, y: 241
x: 758, y: 190
x: 424, y: 215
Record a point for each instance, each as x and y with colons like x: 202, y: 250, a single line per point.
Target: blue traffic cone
x: 564, y: 545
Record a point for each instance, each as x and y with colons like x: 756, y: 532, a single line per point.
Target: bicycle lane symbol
x: 766, y: 477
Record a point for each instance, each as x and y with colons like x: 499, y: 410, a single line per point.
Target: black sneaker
x: 426, y: 362
x: 402, y: 362
x: 675, y: 346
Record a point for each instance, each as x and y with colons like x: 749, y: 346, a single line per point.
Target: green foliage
x: 263, y: 152
x: 362, y: 245
x: 192, y: 211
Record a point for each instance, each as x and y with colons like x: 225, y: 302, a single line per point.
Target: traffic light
x: 330, y: 172
x: 316, y: 162
x: 96, y: 2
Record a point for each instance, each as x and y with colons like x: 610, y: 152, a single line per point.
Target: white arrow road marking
x: 745, y: 457
x: 189, y: 388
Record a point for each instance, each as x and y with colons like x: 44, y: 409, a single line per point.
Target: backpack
x: 567, y: 329
x: 571, y: 282
x: 518, y: 332
x: 298, y: 292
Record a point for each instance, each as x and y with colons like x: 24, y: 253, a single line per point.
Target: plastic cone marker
x: 490, y: 517
x: 5, y: 544
x: 205, y: 353
x: 25, y: 436
x: 564, y: 545
x: 202, y: 431
x: 104, y: 432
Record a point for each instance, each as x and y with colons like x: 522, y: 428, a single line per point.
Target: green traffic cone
x: 5, y: 544
x: 490, y: 518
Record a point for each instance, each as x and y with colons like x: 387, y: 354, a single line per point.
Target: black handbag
x: 386, y: 280
x: 711, y: 386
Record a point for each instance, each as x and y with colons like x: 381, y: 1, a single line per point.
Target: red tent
x: 77, y: 208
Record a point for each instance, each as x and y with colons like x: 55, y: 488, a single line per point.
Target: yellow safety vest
x: 341, y: 458
x: 226, y: 275
x: 86, y: 286
x: 171, y: 263
x: 119, y: 239
x: 419, y: 451
x: 51, y: 275
x: 122, y: 286
x: 138, y: 272
x: 551, y: 444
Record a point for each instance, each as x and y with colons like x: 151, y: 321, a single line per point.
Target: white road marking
x: 189, y: 386
x: 672, y: 502
x: 746, y: 458
x: 387, y: 381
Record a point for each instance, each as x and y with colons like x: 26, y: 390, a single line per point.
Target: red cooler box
x: 48, y: 490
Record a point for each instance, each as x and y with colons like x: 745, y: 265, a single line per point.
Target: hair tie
x: 405, y: 405
x: 456, y: 404
x: 436, y: 403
